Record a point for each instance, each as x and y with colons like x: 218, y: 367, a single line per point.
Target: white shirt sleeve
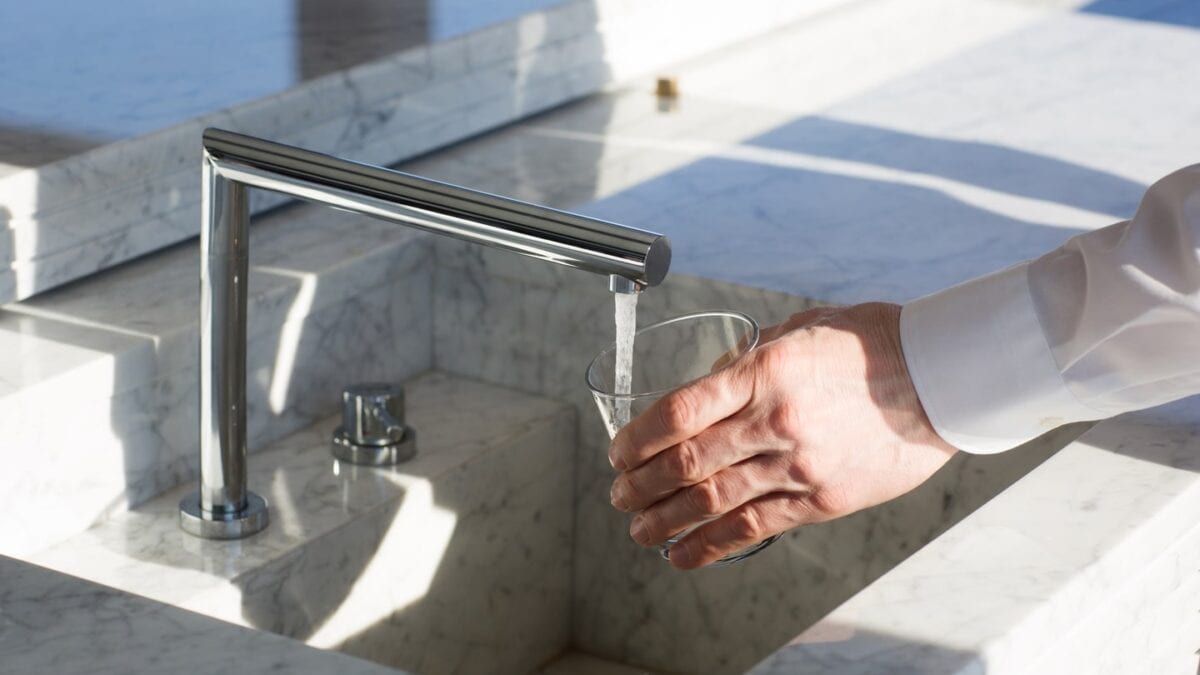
x: 1109, y: 322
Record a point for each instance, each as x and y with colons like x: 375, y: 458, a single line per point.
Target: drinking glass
x: 667, y: 355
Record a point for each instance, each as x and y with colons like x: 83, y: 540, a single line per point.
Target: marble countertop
x: 950, y: 140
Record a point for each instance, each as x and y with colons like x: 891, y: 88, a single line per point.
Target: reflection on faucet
x: 223, y: 508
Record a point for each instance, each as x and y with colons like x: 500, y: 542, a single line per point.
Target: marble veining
x: 137, y: 68
x: 54, y: 623
x: 630, y: 606
x: 1068, y: 566
x: 89, y: 211
x: 455, y: 562
x: 334, y: 298
x: 944, y: 147
x: 944, y: 173
x: 941, y: 196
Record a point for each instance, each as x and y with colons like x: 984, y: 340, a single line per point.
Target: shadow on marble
x: 986, y: 165
x: 334, y: 299
x: 534, y: 328
x: 457, y: 561
x: 53, y: 623
x: 821, y: 216
x: 1164, y: 439
x: 137, y: 69
x: 25, y: 147
x: 851, y: 650
x: 368, y: 80
x: 1182, y: 13
x: 815, y: 206
x: 628, y: 604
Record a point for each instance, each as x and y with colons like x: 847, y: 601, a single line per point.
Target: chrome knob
x: 373, y: 431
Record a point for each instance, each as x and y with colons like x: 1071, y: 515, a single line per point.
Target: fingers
x: 679, y: 415
x: 744, y: 526
x: 708, y: 499
x: 683, y: 464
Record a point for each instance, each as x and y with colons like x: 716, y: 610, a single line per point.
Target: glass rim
x: 612, y: 346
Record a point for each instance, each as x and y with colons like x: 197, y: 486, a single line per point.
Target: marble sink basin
x: 458, y: 561
x: 481, y: 556
x: 532, y: 328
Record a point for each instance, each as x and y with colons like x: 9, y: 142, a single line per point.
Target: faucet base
x: 195, y: 521
x: 346, y: 450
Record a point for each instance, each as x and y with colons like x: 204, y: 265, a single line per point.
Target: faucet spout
x: 624, y: 285
x: 223, y: 508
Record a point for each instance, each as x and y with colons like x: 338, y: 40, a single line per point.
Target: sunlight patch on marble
x: 1049, y: 213
x: 406, y: 563
x: 877, y: 42
x: 61, y: 317
x: 290, y: 334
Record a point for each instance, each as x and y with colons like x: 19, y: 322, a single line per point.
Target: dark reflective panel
x: 77, y: 73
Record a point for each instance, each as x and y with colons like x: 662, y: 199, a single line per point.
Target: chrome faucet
x: 223, y: 508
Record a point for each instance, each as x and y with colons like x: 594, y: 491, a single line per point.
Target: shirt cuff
x: 981, y: 365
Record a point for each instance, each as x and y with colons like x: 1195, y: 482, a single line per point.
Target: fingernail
x: 616, y: 496
x: 680, y: 555
x: 614, y: 458
x: 637, y: 529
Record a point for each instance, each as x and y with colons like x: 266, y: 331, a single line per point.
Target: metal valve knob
x: 373, y: 431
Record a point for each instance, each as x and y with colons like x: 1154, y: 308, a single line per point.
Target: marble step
x: 101, y: 401
x: 457, y: 561
x: 55, y: 623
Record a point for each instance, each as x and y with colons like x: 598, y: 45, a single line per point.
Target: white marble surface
x: 86, y: 212
x: 334, y: 299
x: 54, y: 623
x: 976, y: 135
x: 455, y: 562
x: 578, y: 663
x: 1084, y: 564
x: 881, y: 150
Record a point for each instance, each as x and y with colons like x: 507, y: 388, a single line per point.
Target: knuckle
x: 684, y: 463
x: 801, y: 469
x: 784, y: 420
x: 746, y: 525
x: 651, y: 525
x: 705, y: 545
x: 707, y: 498
x: 677, y: 411
x: 827, y: 503
x: 773, y: 358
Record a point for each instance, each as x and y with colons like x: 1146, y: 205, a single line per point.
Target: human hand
x: 820, y: 421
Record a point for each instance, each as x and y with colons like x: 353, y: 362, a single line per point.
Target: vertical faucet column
x: 223, y: 508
